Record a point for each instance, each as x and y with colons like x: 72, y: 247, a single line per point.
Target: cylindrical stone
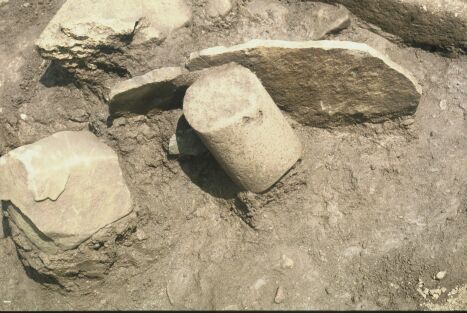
x: 241, y: 126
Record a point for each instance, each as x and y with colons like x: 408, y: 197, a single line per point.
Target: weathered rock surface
x: 323, y: 83
x: 63, y: 189
x: 322, y: 19
x: 83, y: 29
x: 216, y: 8
x: 157, y: 89
x: 76, y: 269
x: 265, y: 9
x: 425, y: 23
x: 316, y: 21
x: 241, y: 126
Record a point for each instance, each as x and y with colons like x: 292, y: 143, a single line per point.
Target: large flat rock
x: 63, y: 189
x: 82, y: 27
x: 425, y: 23
x: 323, y: 83
x: 157, y: 89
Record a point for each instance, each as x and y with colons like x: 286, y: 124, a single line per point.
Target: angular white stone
x: 81, y: 26
x: 323, y: 83
x: 241, y: 126
x: 63, y: 188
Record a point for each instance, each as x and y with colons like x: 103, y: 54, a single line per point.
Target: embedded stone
x: 157, y: 89
x: 185, y: 141
x: 62, y: 189
x: 424, y: 23
x: 216, y: 8
x: 82, y: 28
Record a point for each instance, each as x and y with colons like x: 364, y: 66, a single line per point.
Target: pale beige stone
x: 323, y: 83
x: 241, y: 126
x: 421, y: 22
x: 80, y: 27
x: 267, y: 9
x: 154, y: 90
x: 157, y: 90
x: 63, y: 189
x: 216, y: 8
x: 322, y: 19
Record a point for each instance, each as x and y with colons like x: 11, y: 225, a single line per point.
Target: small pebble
x: 441, y: 275
x: 383, y: 301
x: 280, y: 295
x: 407, y: 122
x: 141, y: 235
x: 442, y: 105
x: 287, y: 262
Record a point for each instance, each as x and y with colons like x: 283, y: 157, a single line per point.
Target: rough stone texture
x: 63, y: 188
x: 84, y: 33
x: 216, y: 8
x: 323, y: 19
x: 425, y: 23
x: 317, y: 21
x: 154, y: 90
x: 241, y: 126
x: 264, y: 9
x: 77, y: 269
x: 158, y: 90
x: 323, y: 83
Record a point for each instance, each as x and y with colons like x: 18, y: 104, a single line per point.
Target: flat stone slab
x: 81, y: 27
x: 63, y: 189
x: 154, y: 90
x: 424, y: 23
x: 323, y: 83
x: 157, y: 90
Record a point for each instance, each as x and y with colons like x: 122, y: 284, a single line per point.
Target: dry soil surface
x: 364, y: 221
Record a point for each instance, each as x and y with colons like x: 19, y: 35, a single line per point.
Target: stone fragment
x: 286, y: 262
x: 141, y: 235
x: 155, y: 90
x: 441, y: 275
x: 280, y: 295
x: 82, y: 28
x: 216, y: 8
x: 323, y: 83
x: 62, y: 189
x: 185, y: 142
x: 241, y: 126
x: 265, y: 9
x: 425, y: 23
x: 322, y: 19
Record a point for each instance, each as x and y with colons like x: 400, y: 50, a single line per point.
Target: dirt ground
x: 364, y: 221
